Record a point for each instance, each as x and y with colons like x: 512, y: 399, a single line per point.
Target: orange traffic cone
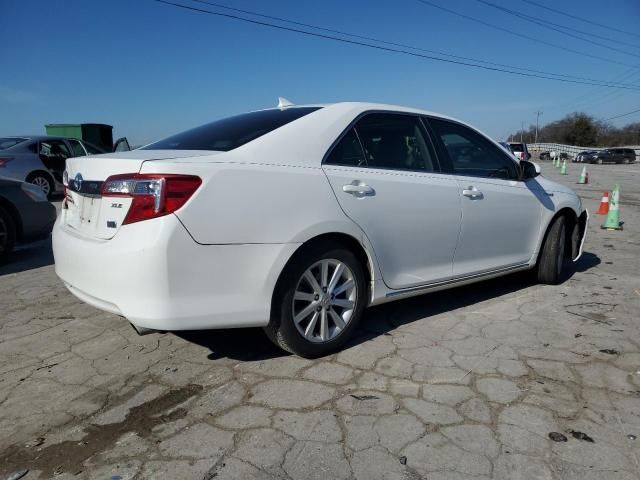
x: 603, y: 209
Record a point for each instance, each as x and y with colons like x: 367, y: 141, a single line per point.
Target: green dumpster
x: 98, y: 134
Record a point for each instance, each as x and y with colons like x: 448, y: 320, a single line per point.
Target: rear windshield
x: 9, y: 142
x: 517, y: 147
x: 232, y: 132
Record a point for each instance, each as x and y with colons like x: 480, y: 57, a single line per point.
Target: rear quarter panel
x: 258, y: 203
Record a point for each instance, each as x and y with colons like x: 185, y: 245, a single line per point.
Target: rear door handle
x: 472, y: 192
x: 357, y: 189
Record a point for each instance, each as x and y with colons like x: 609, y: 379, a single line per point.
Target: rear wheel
x: 318, y: 302
x: 7, y: 234
x: 551, y: 262
x: 626, y: 160
x: 598, y: 161
x: 43, y: 181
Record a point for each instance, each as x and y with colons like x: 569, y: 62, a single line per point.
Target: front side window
x: 232, y: 132
x: 471, y: 154
x: 395, y: 141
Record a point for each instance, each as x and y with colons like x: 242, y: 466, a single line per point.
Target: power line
x: 558, y: 28
x: 521, y: 35
x: 386, y: 42
x: 395, y: 50
x: 622, y: 115
x: 582, y: 19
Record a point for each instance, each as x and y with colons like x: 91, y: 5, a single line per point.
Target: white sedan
x: 297, y: 218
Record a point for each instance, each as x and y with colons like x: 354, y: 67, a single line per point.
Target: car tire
x: 550, y: 268
x: 598, y: 161
x: 43, y: 181
x: 7, y: 234
x: 317, y: 331
x: 626, y: 161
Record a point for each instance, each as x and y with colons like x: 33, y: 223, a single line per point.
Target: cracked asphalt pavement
x: 504, y: 379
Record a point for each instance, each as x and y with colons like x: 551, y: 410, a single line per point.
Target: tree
x: 583, y: 130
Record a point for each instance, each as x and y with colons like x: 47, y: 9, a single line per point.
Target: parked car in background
x: 507, y: 147
x: 25, y: 214
x: 520, y: 150
x: 584, y: 156
x: 546, y: 155
x: 297, y: 218
x: 40, y: 159
x: 613, y: 155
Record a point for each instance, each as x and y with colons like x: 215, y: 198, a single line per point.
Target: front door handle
x: 472, y: 192
x: 357, y: 189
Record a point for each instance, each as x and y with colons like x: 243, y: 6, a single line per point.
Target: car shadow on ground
x: 27, y: 257
x: 251, y: 344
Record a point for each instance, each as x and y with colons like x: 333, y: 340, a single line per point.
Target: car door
x: 77, y: 148
x: 501, y: 215
x: 385, y: 175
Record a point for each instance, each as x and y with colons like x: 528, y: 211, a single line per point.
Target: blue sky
x: 151, y: 69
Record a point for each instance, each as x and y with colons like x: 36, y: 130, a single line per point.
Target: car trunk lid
x: 86, y: 211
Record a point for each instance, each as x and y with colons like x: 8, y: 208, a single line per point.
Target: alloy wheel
x: 324, y: 300
x: 43, y: 183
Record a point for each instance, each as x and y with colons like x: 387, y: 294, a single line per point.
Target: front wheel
x: 551, y: 262
x: 318, y: 302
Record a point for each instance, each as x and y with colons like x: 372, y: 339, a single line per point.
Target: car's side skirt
x: 453, y: 282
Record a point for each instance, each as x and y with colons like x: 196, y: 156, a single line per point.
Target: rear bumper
x: 154, y: 274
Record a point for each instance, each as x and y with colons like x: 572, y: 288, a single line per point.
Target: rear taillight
x: 154, y: 195
x: 4, y: 161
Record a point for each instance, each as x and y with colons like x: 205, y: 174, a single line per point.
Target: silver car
x: 40, y: 159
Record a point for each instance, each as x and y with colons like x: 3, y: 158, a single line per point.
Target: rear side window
x: 473, y: 155
x: 347, y: 151
x: 517, y: 147
x: 232, y: 132
x: 8, y: 142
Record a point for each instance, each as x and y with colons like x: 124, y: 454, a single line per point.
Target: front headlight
x: 34, y: 192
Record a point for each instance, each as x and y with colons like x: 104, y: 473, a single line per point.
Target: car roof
x: 292, y: 144
x: 38, y: 137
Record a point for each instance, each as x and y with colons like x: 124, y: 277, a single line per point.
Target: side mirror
x: 529, y: 170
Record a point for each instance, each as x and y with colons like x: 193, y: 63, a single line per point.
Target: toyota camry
x: 297, y: 218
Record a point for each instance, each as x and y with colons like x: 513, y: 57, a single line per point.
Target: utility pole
x: 538, y: 113
x: 521, y: 131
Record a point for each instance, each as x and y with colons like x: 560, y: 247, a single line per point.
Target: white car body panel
x: 214, y: 263
x: 406, y: 212
x: 499, y: 229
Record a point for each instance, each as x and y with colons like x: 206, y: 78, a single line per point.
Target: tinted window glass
x: 92, y: 149
x: 347, y: 152
x: 10, y: 142
x: 76, y: 148
x: 394, y: 141
x: 232, y: 132
x: 55, y: 149
x: 473, y: 155
x: 517, y: 147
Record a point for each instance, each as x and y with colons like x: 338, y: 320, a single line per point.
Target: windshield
x: 8, y: 142
x: 232, y: 132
